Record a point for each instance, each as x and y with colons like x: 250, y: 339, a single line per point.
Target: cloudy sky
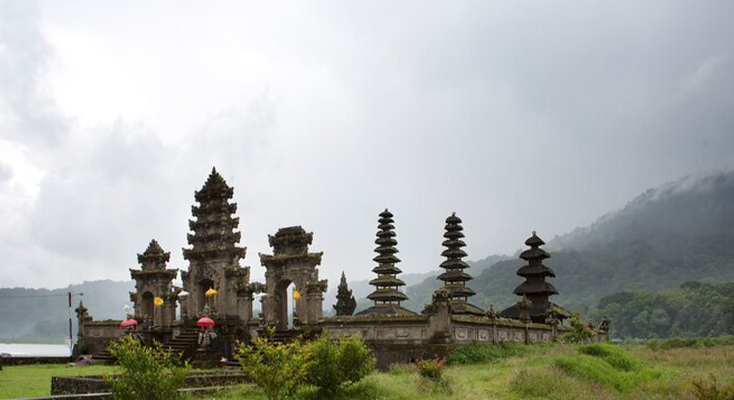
x: 519, y: 116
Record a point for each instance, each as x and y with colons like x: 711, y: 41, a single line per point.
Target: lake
x: 35, y: 350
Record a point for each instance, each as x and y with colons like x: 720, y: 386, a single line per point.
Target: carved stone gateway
x: 292, y: 263
x: 154, y: 280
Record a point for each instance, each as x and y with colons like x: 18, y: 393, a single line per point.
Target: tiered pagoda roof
x: 455, y: 277
x: 214, y: 229
x: 535, y: 289
x: 386, y: 296
x: 153, y: 262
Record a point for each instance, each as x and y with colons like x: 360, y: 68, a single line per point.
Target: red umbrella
x: 205, y: 322
x: 129, y: 322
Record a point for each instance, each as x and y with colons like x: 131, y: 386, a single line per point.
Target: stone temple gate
x: 292, y: 263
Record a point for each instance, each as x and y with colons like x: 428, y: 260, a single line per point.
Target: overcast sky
x: 518, y: 115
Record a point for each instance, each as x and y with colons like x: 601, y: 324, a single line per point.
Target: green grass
x: 35, y: 380
x: 479, y: 353
x: 557, y: 372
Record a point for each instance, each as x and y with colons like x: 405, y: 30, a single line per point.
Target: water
x: 36, y: 350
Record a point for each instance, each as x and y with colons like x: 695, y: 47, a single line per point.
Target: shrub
x: 431, y: 372
x: 431, y: 369
x: 580, y: 331
x: 278, y: 369
x: 483, y: 353
x: 147, y: 373
x: 335, y: 364
x: 709, y: 389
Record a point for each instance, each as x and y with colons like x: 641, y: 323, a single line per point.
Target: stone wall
x: 400, y: 340
x: 96, y: 336
x: 61, y: 385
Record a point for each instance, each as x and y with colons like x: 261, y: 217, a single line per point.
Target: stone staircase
x: 103, y: 357
x: 185, y: 343
x: 284, y: 335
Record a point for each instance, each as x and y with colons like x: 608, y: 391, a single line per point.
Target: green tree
x: 147, y: 373
x: 335, y: 364
x: 580, y: 331
x: 276, y: 368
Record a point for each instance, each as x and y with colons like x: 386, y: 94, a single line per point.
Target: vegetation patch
x: 146, y: 372
x: 325, y: 365
x: 612, y: 355
x: 485, y: 353
x: 607, y: 365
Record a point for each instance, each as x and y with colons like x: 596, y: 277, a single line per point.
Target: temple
x: 216, y: 299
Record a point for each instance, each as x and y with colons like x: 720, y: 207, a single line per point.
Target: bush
x: 580, y: 331
x: 431, y: 369
x: 709, y: 389
x: 278, y: 369
x: 333, y: 365
x: 147, y: 373
x: 484, y: 353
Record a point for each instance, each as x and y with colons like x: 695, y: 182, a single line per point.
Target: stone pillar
x: 439, y: 320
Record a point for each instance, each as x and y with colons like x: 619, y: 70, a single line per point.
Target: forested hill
x: 44, y: 313
x: 693, y: 309
x: 695, y: 207
x: 680, y: 232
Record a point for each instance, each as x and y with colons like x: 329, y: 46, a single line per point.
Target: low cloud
x: 519, y: 117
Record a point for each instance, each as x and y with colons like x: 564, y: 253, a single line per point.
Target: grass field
x: 536, y: 372
x: 35, y: 380
x: 555, y: 373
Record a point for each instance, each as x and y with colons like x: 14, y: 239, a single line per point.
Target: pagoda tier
x: 455, y: 278
x: 386, y: 296
x: 214, y: 229
x: 535, y: 289
x: 153, y: 263
x: 153, y: 257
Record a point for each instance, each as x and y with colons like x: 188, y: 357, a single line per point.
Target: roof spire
x: 535, y: 290
x: 386, y: 296
x: 455, y: 278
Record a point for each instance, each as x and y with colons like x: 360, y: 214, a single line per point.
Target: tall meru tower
x: 214, y: 256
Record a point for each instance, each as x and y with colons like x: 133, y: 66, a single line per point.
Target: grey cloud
x: 6, y: 173
x: 24, y: 60
x: 519, y: 116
